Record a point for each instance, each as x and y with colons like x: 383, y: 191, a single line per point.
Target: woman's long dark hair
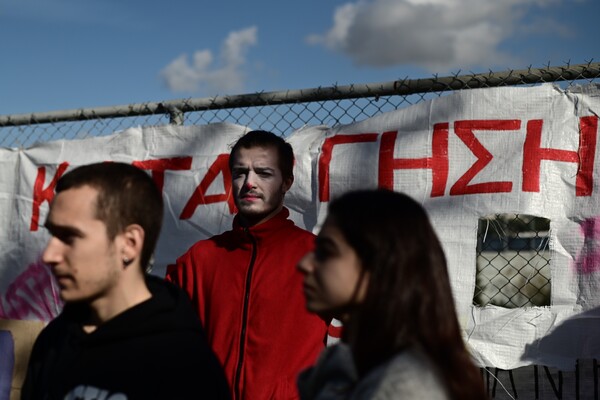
x: 409, y: 300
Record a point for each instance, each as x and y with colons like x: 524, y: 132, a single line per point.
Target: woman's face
x: 331, y: 274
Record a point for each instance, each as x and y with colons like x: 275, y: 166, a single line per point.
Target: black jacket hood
x: 167, y: 310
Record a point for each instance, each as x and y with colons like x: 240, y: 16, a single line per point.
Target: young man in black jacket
x: 123, y: 334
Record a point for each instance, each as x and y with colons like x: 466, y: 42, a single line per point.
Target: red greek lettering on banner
x: 326, y: 153
x: 464, y: 130
x: 533, y: 154
x: 437, y: 163
x: 41, y: 194
x: 199, y: 197
x: 159, y: 166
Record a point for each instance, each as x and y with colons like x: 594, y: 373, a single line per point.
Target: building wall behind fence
x: 284, y: 112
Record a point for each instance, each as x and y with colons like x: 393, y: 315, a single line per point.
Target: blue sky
x: 70, y: 54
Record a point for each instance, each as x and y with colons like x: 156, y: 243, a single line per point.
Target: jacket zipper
x: 238, y: 372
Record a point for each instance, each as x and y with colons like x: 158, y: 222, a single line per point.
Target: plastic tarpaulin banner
x: 463, y: 156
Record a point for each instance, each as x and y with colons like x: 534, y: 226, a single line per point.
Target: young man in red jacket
x: 244, y: 284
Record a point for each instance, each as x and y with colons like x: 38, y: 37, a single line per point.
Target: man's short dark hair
x: 126, y: 195
x: 267, y: 139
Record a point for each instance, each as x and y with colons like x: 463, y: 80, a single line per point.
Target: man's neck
x: 249, y: 221
x: 119, y: 300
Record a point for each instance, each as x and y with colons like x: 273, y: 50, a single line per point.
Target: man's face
x: 86, y: 264
x: 258, y: 185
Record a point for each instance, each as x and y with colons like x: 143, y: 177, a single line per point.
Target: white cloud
x: 438, y: 35
x: 201, y: 75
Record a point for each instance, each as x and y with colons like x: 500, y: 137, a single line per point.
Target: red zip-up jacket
x: 248, y: 294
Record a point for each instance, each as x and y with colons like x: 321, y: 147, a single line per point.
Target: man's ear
x: 133, y: 241
x: 287, y: 184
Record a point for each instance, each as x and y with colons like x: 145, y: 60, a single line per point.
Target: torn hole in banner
x: 513, y: 261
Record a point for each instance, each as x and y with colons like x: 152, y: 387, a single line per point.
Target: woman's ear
x: 362, y: 285
x: 132, y: 243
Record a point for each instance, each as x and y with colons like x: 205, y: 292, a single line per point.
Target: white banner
x: 463, y: 156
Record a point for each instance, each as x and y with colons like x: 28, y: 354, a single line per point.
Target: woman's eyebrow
x: 324, y: 241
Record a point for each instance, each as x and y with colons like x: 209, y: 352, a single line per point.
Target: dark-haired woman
x: 378, y: 266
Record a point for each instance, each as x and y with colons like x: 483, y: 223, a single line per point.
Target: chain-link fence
x: 281, y: 112
x: 513, y: 257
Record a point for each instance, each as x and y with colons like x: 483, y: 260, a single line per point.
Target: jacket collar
x: 278, y: 221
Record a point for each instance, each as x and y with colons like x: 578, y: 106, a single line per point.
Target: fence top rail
x: 403, y: 87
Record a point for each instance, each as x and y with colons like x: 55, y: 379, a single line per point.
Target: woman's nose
x: 306, y: 264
